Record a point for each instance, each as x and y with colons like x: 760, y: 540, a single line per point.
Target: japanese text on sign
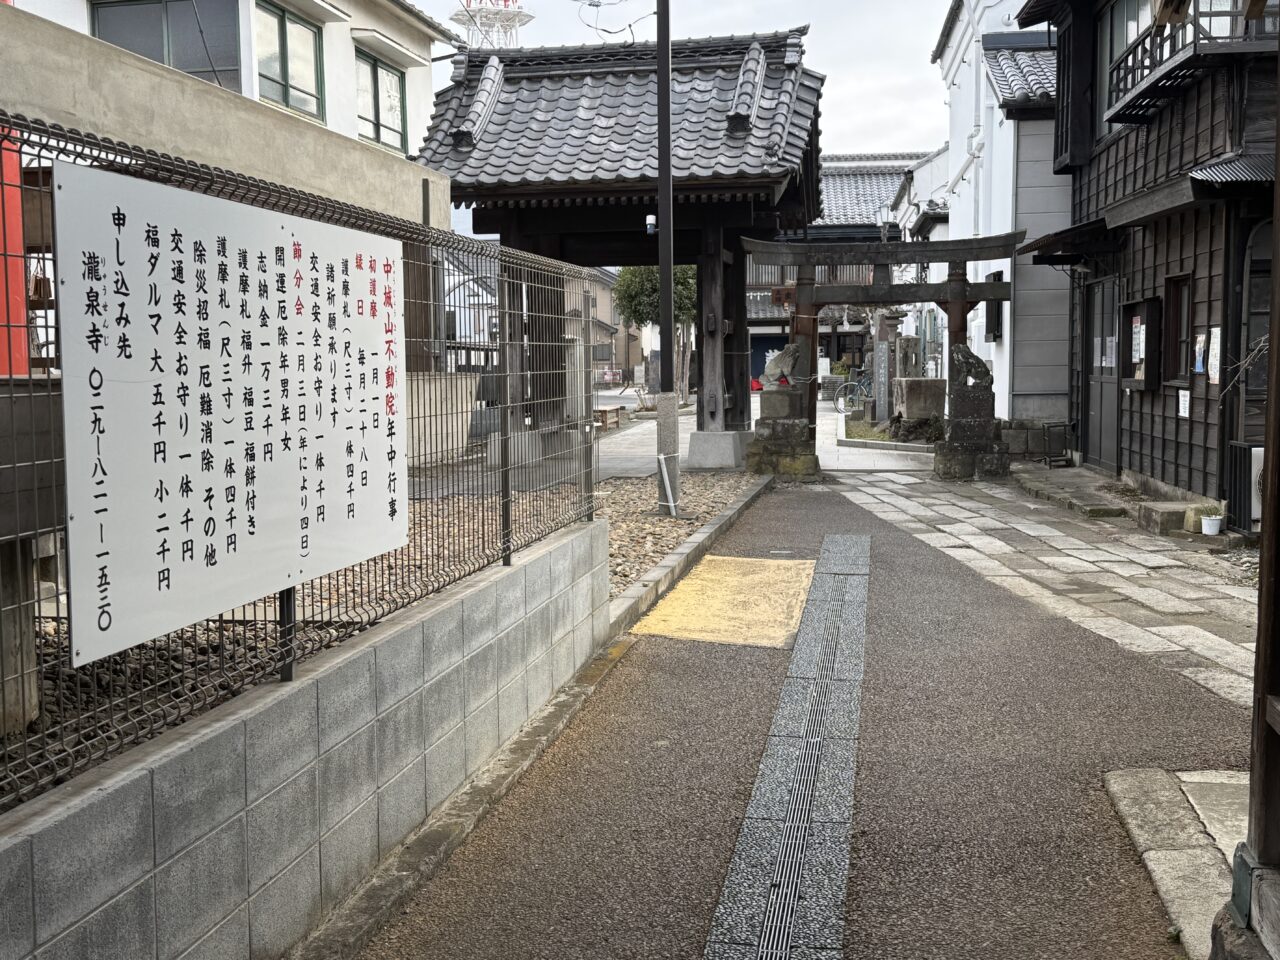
x: 233, y: 403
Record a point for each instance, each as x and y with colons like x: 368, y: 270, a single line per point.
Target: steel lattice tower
x: 492, y: 23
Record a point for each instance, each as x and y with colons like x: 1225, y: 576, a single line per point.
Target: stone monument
x: 972, y: 447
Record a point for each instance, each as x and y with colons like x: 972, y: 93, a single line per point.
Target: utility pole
x: 668, y: 402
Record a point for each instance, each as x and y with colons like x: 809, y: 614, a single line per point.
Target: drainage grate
x: 784, y: 891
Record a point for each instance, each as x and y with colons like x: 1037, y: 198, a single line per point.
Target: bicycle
x: 857, y: 389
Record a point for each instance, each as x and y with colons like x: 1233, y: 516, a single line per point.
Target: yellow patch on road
x: 734, y: 600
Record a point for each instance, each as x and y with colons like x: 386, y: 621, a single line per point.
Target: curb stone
x: 350, y: 927
x: 893, y: 445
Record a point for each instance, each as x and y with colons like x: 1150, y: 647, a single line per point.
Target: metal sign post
x: 668, y: 404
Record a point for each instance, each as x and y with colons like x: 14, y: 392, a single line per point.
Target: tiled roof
x: 1023, y: 78
x: 854, y: 186
x: 744, y: 109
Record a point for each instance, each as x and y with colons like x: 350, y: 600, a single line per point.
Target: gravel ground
x: 639, y: 538
x: 1245, y: 560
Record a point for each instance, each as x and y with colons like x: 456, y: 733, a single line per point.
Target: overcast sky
x: 881, y: 94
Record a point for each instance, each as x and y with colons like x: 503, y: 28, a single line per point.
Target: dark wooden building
x: 555, y: 150
x: 1167, y: 131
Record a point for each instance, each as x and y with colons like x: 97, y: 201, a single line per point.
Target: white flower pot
x: 1211, y: 526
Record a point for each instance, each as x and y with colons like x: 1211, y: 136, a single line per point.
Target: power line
x: 605, y: 32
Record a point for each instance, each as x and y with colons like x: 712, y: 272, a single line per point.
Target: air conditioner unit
x: 1256, y: 486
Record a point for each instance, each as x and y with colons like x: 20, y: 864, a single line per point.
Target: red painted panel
x: 15, y: 349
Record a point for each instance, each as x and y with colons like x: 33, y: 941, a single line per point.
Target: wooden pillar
x: 737, y: 344
x: 957, y: 307
x: 1264, y: 778
x: 804, y: 333
x: 711, y: 405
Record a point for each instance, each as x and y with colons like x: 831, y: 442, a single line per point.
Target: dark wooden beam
x: 711, y: 404
x: 893, y: 254
x: 627, y: 219
x: 1177, y: 194
x: 892, y: 294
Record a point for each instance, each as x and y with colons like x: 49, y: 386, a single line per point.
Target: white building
x: 362, y: 69
x: 1001, y: 84
x: 921, y: 211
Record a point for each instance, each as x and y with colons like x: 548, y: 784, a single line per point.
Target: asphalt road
x: 615, y: 843
x: 981, y: 828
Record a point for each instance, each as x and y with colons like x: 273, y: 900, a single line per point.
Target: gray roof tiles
x: 855, y: 186
x: 743, y: 108
x: 1023, y: 78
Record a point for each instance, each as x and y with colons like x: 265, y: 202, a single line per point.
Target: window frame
x: 1102, y: 67
x: 364, y: 56
x: 1177, y: 361
x: 284, y: 17
x: 96, y: 5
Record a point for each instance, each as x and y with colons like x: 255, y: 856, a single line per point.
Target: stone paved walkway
x: 1174, y: 602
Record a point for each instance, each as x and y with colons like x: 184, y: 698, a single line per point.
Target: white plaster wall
x: 339, y: 52
x: 63, y: 76
x: 981, y: 165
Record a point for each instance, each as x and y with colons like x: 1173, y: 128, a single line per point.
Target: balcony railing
x: 1162, y: 60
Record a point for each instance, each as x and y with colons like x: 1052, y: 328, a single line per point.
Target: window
x: 1118, y: 25
x: 1258, y: 311
x: 199, y: 37
x: 289, y: 60
x: 380, y: 101
x: 993, y: 311
x: 1177, y: 328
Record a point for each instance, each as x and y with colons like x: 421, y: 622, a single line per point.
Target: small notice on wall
x: 1200, y: 353
x: 1215, y: 354
x: 1184, y: 404
x: 1137, y: 349
x: 233, y: 383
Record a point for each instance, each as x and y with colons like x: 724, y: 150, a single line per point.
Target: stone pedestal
x: 973, y: 447
x: 782, y: 445
x: 919, y: 398
x: 716, y: 449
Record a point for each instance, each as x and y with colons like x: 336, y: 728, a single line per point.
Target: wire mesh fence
x: 498, y: 351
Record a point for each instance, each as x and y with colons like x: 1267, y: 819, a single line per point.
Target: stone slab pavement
x: 1170, y: 600
x: 1185, y: 826
x: 993, y: 702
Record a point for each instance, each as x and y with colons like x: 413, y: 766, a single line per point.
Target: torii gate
x: 972, y: 447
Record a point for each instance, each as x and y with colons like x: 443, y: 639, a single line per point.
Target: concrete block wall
x: 230, y: 838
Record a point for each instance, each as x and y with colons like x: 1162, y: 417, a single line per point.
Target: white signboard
x: 1184, y: 403
x: 233, y: 403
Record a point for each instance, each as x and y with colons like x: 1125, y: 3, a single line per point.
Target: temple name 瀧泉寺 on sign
x: 232, y: 400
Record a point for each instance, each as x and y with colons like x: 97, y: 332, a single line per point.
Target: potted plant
x: 1211, y: 520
